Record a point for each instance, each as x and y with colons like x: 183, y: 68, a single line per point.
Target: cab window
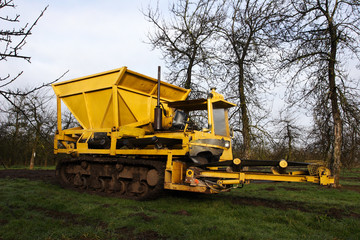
x: 220, y: 122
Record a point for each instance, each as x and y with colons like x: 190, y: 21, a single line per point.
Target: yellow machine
x: 136, y: 138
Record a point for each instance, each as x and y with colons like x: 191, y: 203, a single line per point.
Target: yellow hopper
x: 115, y: 98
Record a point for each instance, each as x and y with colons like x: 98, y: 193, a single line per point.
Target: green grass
x: 27, y: 167
x: 37, y: 210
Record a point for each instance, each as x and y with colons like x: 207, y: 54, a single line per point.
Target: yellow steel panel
x: 259, y: 176
x: 108, y: 114
x: 58, y: 114
x: 148, y: 85
x: 86, y: 84
x: 126, y: 115
x: 138, y: 104
x: 77, y: 106
x: 137, y: 83
x: 177, y: 172
x: 97, y: 103
x: 115, y: 108
x: 130, y: 132
x: 170, y: 93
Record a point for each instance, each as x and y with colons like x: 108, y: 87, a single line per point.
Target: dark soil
x: 68, y: 218
x: 183, y: 213
x: 292, y: 188
x: 355, y: 188
x: 143, y: 216
x: 43, y: 175
x: 129, y: 234
x: 351, y: 178
x: 293, y: 205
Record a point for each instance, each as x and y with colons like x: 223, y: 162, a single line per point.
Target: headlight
x: 227, y: 144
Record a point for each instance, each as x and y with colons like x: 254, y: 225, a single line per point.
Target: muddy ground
x: 49, y: 177
x: 43, y: 175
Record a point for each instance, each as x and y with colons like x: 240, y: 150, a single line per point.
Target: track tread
x: 157, y: 164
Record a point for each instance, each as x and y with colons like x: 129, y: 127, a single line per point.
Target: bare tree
x: 28, y: 129
x: 42, y: 122
x: 288, y: 134
x: 12, y: 133
x: 185, y: 38
x: 321, y: 36
x: 248, y: 38
x: 322, y: 131
x: 13, y: 39
x: 226, y: 42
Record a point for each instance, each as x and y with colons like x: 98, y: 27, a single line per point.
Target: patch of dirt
x: 124, y: 231
x: 43, y: 175
x: 182, y: 212
x: 143, y: 216
x: 355, y: 188
x: 70, y: 218
x: 292, y: 205
x: 148, y: 235
x: 351, y: 178
x: 87, y: 238
x: 270, y: 189
x: 3, y: 222
x: 292, y: 188
x: 127, y: 233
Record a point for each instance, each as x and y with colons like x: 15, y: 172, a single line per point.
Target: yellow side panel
x: 86, y: 84
x: 97, y: 103
x: 139, y: 105
x: 138, y: 83
x: 126, y: 115
x: 148, y: 85
x: 107, y: 118
x: 77, y: 106
x: 177, y: 172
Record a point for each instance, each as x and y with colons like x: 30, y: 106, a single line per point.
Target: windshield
x: 220, y: 121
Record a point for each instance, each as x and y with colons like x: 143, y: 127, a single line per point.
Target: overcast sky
x: 87, y: 37
x: 84, y: 37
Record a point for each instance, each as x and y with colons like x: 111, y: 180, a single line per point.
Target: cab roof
x: 199, y: 104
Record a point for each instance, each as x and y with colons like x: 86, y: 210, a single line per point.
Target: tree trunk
x: 244, y: 114
x: 289, y: 155
x: 45, y: 161
x: 336, y: 165
x: 32, y: 159
x: 189, y: 70
x: 33, y: 152
x: 14, y: 141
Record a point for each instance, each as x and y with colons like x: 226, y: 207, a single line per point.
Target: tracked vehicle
x: 136, y: 138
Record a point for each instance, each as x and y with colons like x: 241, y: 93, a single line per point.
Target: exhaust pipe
x: 158, y: 112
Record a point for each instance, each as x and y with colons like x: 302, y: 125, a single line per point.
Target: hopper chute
x: 115, y: 98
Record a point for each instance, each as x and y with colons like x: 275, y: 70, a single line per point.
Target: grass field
x: 41, y: 210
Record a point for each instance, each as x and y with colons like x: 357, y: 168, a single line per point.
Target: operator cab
x: 217, y: 113
x: 179, y: 120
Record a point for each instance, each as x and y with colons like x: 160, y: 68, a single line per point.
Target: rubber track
x: 158, y: 165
